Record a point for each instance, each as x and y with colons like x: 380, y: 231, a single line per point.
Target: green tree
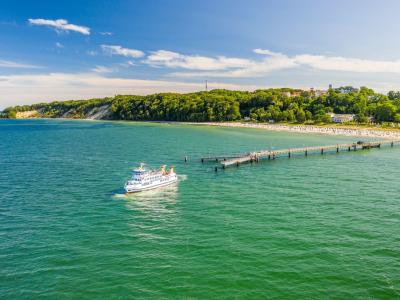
x: 300, y: 116
x: 283, y: 104
x: 385, y: 112
x: 361, y: 118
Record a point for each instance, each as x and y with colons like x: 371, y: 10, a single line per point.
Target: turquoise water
x: 322, y: 227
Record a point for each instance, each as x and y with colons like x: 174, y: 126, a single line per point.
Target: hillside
x: 278, y: 105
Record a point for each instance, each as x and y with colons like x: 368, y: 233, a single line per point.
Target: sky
x: 59, y: 50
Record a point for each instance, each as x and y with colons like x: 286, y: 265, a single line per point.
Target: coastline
x: 328, y: 129
x: 308, y: 129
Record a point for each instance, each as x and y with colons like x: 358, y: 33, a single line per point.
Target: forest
x: 267, y: 105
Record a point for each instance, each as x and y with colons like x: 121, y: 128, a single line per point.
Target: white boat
x: 143, y: 179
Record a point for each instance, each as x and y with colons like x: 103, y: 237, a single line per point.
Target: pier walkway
x: 237, y: 159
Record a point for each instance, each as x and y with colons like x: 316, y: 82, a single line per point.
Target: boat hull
x: 141, y: 188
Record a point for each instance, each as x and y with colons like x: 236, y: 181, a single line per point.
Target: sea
x: 317, y: 227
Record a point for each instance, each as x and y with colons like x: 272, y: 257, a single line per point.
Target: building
x: 341, y: 118
x: 292, y: 94
x: 318, y: 93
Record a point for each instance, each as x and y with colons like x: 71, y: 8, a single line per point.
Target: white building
x: 341, y: 118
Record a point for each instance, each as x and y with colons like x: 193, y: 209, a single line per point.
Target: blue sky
x: 56, y: 50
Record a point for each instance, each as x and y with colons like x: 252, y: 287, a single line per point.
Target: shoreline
x: 306, y: 129
x: 328, y: 129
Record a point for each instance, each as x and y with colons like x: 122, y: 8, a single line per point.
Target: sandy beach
x: 351, y: 131
x: 332, y: 129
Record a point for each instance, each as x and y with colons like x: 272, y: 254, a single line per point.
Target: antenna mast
x: 206, y: 86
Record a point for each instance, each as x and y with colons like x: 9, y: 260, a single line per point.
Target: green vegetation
x: 278, y: 105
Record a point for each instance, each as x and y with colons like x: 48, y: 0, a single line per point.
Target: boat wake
x: 182, y: 177
x: 118, y: 195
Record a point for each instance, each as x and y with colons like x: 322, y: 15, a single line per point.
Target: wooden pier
x: 223, y: 157
x: 250, y: 157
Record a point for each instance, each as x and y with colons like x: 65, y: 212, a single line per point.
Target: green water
x: 322, y: 227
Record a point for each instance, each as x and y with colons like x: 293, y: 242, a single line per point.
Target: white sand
x: 360, y: 132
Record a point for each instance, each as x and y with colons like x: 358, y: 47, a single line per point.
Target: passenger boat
x: 143, y: 179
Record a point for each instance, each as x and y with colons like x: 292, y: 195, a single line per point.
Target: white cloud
x: 270, y: 62
x: 60, y: 25
x: 59, y: 45
x: 128, y: 63
x: 34, y: 88
x: 102, y: 69
x: 221, y: 66
x: 106, y: 33
x: 194, y: 62
x: 337, y: 63
x: 13, y: 64
x: 118, y: 50
x: 266, y: 52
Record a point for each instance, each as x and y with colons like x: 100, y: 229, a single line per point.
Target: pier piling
x: 250, y: 157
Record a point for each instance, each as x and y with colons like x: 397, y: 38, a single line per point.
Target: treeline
x: 278, y: 105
